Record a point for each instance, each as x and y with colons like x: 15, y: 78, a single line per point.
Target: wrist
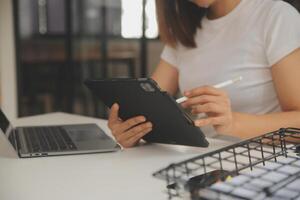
x: 235, y: 123
x: 233, y: 130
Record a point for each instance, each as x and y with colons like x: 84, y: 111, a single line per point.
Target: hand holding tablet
x: 143, y: 97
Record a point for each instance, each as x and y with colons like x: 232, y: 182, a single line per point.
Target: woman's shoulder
x: 279, y: 7
x: 268, y: 14
x: 269, y: 8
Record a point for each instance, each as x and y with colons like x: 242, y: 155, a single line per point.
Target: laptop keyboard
x: 45, y: 139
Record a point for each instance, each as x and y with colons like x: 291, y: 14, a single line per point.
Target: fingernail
x: 187, y: 93
x: 143, y: 119
x: 198, y: 123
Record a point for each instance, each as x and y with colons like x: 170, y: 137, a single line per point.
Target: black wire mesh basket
x: 265, y: 167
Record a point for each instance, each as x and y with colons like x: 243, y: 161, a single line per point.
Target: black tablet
x: 171, y: 125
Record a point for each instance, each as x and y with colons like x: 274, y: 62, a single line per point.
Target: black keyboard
x: 47, y: 139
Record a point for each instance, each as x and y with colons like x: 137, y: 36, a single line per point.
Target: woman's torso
x: 235, y: 45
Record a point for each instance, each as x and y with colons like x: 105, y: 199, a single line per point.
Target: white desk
x: 121, y: 175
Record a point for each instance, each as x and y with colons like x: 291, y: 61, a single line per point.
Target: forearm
x: 248, y: 126
x: 166, y: 77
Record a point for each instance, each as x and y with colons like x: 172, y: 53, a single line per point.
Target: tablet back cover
x: 143, y: 97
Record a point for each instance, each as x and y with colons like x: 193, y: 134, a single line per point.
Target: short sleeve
x: 169, y: 55
x: 282, y: 32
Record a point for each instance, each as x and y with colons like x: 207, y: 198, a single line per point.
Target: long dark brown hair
x: 178, y: 21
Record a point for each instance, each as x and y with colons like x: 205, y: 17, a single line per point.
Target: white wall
x: 7, y: 60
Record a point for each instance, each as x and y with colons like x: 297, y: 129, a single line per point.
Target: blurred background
x: 57, y: 44
x: 61, y: 43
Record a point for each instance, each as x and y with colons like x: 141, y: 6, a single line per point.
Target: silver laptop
x: 38, y: 141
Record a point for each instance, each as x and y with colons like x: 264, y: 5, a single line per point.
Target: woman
x: 211, y: 41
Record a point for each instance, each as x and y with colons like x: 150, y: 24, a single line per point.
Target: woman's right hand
x: 127, y: 133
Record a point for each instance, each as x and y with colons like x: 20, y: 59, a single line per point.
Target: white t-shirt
x: 246, y: 42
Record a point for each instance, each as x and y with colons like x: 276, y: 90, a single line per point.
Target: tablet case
x: 143, y: 97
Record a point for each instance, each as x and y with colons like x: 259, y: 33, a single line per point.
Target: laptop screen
x: 4, y: 123
x: 7, y: 129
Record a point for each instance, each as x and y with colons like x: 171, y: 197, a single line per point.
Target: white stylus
x: 220, y: 85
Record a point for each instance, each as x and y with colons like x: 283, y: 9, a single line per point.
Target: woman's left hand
x: 215, y: 103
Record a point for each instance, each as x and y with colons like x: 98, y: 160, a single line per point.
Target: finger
x: 119, y: 130
x: 114, y: 115
x: 133, y: 140
x: 128, y: 124
x: 135, y: 131
x: 209, y: 108
x: 204, y: 99
x: 210, y: 121
x: 204, y: 90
